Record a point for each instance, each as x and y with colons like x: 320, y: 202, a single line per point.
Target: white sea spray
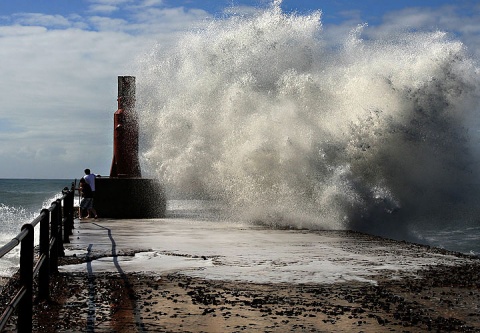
x: 290, y: 129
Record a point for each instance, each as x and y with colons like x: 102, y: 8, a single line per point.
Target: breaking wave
x: 290, y: 129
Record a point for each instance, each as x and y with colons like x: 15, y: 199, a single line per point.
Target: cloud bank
x: 58, y: 85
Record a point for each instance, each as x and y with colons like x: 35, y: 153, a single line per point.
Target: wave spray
x: 290, y: 126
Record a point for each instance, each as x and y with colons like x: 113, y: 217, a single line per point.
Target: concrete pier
x: 186, y: 275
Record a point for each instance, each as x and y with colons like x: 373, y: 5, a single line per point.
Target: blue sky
x: 335, y: 11
x: 59, y: 60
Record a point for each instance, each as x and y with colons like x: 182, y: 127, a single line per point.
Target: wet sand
x: 442, y: 299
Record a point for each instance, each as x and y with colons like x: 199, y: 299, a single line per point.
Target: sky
x: 59, y: 62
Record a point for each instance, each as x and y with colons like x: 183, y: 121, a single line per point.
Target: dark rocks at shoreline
x: 440, y: 299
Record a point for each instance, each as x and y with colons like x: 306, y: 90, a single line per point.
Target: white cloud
x: 105, y: 9
x: 18, y: 30
x: 106, y: 6
x: 38, y: 19
x: 58, y: 91
x: 156, y: 19
x: 103, y: 23
x: 148, y: 3
x: 152, y: 2
x: 444, y: 18
x: 112, y: 2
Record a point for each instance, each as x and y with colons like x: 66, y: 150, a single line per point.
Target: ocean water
x: 292, y: 125
x: 21, y: 200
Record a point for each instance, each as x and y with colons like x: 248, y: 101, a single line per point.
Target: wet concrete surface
x: 216, y: 277
x: 245, y: 252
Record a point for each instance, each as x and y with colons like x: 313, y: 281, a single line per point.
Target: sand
x: 441, y: 299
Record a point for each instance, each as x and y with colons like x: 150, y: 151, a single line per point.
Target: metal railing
x: 52, y: 221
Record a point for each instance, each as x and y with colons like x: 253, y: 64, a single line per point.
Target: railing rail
x: 55, y: 222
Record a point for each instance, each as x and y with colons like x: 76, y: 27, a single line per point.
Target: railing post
x: 71, y: 204
x: 44, y: 272
x: 68, y: 215
x: 58, y: 216
x: 25, y: 310
x: 55, y: 236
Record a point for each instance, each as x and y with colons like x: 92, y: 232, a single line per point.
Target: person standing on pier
x: 87, y: 200
x: 90, y: 180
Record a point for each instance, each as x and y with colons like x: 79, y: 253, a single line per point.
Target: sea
x: 21, y: 201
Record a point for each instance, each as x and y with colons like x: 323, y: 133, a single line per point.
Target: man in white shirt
x: 90, y: 180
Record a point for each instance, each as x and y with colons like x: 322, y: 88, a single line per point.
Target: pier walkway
x: 182, y: 275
